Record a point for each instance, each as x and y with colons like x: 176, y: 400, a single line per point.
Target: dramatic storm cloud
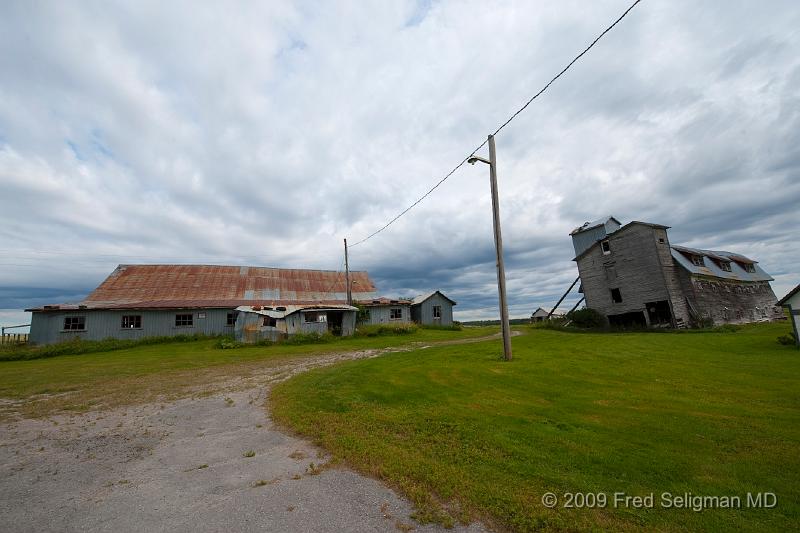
x: 263, y: 133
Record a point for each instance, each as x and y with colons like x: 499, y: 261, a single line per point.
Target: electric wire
x: 500, y: 128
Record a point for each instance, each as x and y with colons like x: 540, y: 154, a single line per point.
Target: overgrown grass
x: 23, y: 352
x: 466, y: 435
x: 95, y: 379
x: 379, y: 330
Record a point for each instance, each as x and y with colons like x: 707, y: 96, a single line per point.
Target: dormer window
x: 725, y: 265
x: 750, y: 267
x: 606, y: 247
x: 697, y: 260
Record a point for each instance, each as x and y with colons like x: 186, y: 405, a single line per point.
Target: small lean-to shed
x: 539, y: 315
x: 792, y: 302
x: 385, y: 311
x: 258, y: 323
x: 432, y: 309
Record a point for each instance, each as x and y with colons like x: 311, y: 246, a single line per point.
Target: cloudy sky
x: 264, y: 133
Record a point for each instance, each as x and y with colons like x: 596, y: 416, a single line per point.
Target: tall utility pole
x: 347, y: 275
x: 498, y: 246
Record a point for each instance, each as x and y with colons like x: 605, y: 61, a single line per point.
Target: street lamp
x: 498, y: 245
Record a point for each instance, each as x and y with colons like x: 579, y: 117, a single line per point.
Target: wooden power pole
x: 347, y: 275
x: 498, y: 246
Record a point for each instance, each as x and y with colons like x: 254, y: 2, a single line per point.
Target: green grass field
x: 466, y: 435
x: 142, y: 373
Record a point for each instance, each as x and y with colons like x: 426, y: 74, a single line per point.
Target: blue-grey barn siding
x: 423, y: 313
x: 379, y: 314
x: 48, y: 328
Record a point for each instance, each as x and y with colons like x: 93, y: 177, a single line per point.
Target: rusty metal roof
x: 383, y: 301
x: 178, y: 286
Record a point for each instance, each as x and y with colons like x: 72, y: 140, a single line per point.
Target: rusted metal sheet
x: 190, y: 286
x: 383, y: 301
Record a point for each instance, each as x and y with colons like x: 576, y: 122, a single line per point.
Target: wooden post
x: 577, y: 304
x: 498, y: 246
x: 562, y: 298
x: 347, y: 275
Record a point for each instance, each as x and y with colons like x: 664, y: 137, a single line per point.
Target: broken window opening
x: 315, y: 316
x: 616, y: 297
x: 396, y: 313
x: 606, y: 247
x: 75, y: 323
x: 230, y: 320
x: 697, y: 260
x: 437, y: 311
x: 270, y: 322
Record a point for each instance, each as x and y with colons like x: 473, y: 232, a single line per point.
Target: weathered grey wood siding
x: 730, y: 302
x: 633, y: 266
x: 423, y: 313
x: 379, y: 314
x: 48, y: 328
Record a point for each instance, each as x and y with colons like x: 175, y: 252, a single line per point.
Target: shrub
x: 787, y: 340
x: 587, y: 318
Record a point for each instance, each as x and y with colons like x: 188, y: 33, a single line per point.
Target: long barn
x: 138, y: 301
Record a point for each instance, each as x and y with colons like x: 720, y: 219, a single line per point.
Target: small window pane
x: 132, y: 322
x: 184, y: 320
x: 75, y: 323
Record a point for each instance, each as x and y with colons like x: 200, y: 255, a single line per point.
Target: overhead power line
x: 503, y: 125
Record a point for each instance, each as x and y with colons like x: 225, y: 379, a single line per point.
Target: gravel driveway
x: 213, y: 463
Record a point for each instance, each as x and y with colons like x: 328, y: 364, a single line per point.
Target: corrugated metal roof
x: 384, y: 301
x: 710, y: 268
x: 595, y: 223
x: 177, y: 286
x: 284, y: 311
x: 422, y: 297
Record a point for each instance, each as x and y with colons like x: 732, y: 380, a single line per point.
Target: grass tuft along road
x: 466, y: 435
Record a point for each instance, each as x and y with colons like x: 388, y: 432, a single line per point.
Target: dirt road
x: 213, y: 463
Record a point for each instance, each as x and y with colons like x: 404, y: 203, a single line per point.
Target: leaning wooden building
x: 634, y: 276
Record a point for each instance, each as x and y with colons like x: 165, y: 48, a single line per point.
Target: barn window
x: 183, y: 320
x: 616, y: 297
x: 606, y: 247
x: 437, y: 311
x: 230, y: 320
x: 132, y: 322
x: 75, y: 323
x: 697, y: 260
x: 725, y: 265
x: 270, y: 322
x: 396, y: 313
x: 201, y: 315
x: 314, y: 316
